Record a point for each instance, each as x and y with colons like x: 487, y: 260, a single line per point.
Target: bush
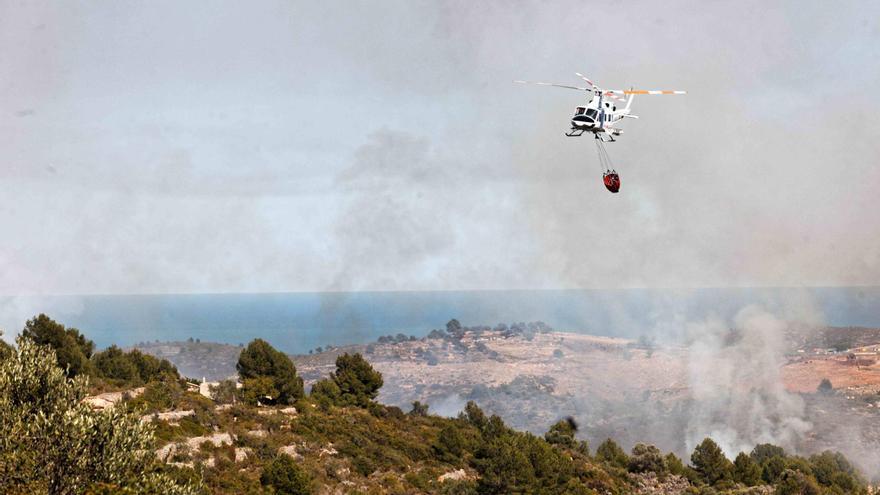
x: 132, y: 368
x: 834, y: 470
x: 796, y: 483
x: 261, y: 360
x: 50, y: 438
x: 562, y: 433
x: 253, y: 390
x: 646, y: 458
x: 772, y: 469
x: 225, y: 392
x: 326, y: 393
x: 286, y: 477
x: 419, y: 409
x: 611, y: 453
x: 450, y: 445
x: 825, y: 387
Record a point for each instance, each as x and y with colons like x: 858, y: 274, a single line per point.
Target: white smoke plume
x: 739, y: 397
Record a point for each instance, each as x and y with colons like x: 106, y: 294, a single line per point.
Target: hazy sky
x: 270, y: 146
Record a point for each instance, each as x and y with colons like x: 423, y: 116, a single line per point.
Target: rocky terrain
x: 629, y: 390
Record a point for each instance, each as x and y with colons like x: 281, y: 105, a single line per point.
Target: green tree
x: 764, y: 451
x: 646, y: 458
x: 52, y: 442
x: 611, y: 453
x: 772, y: 469
x: 474, y: 415
x: 259, y: 359
x: 833, y: 469
x: 358, y: 382
x: 562, y: 433
x: 72, y: 349
x: 709, y: 461
x: 453, y: 327
x: 450, y: 445
x: 152, y: 368
x: 678, y: 468
x: 326, y: 393
x: 746, y: 470
x: 504, y: 467
x: 286, y: 477
x: 254, y: 389
x: 419, y: 409
x: 114, y: 364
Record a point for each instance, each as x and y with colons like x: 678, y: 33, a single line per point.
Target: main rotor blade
x: 552, y: 84
x: 645, y: 92
x: 591, y: 83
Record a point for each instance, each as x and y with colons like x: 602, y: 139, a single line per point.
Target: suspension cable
x: 604, y: 157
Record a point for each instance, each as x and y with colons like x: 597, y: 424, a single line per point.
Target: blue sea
x: 297, y: 322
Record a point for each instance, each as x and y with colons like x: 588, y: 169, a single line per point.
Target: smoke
x: 448, y: 406
x: 385, y: 147
x: 738, y: 395
x: 16, y: 310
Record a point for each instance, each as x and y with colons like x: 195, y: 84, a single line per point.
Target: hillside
x: 158, y: 433
x: 615, y: 388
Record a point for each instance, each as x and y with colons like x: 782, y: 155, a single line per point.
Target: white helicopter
x: 599, y: 115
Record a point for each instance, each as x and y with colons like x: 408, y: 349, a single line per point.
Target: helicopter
x: 598, y: 117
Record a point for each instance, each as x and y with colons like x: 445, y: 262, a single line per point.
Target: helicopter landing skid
x: 580, y: 132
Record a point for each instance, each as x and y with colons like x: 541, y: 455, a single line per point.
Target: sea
x: 296, y: 322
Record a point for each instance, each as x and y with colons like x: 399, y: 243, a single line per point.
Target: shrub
x: 562, y: 433
x: 796, y: 483
x: 834, y: 470
x: 825, y: 387
x: 131, y: 368
x: 419, y: 409
x: 225, y: 392
x: 646, y: 458
x: 611, y: 453
x: 49, y: 437
x: 450, y: 445
x: 326, y: 392
x: 255, y: 389
x: 772, y: 469
x: 286, y: 477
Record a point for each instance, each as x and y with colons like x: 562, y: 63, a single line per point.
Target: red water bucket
x: 612, y: 181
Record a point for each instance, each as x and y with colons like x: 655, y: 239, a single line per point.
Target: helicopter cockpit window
x: 592, y: 113
x: 580, y: 110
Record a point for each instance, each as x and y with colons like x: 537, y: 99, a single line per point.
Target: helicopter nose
x: 583, y: 121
